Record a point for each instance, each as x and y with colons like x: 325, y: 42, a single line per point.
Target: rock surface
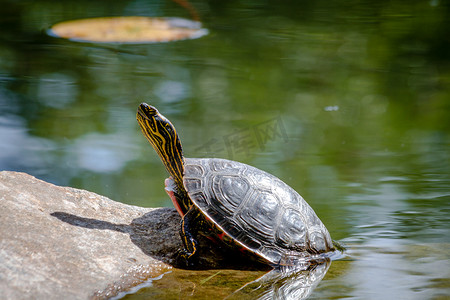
x: 65, y: 243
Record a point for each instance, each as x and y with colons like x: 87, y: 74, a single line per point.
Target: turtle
x: 245, y: 207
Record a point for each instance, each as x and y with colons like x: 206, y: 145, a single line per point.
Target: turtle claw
x: 184, y: 259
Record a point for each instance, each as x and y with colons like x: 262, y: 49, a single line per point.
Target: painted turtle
x: 239, y: 204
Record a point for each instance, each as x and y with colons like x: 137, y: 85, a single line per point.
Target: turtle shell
x: 255, y: 209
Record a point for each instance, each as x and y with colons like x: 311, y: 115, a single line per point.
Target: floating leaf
x: 128, y: 30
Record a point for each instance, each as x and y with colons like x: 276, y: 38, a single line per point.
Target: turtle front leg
x: 188, y: 232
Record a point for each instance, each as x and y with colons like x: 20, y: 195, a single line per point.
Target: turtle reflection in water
x: 284, y: 284
x: 243, y: 206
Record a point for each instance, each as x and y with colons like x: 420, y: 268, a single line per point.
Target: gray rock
x: 65, y: 243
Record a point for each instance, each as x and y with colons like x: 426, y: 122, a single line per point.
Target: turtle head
x: 164, y: 138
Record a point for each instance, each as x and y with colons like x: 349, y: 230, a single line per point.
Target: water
x: 349, y: 103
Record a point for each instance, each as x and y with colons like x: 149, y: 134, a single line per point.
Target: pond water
x: 346, y: 101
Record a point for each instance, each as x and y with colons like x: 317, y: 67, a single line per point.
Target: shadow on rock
x: 156, y: 234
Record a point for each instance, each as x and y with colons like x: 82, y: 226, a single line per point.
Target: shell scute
x: 219, y: 165
x: 270, y: 252
x: 263, y: 181
x: 194, y: 185
x: 316, y: 239
x: 194, y: 170
x: 291, y: 232
x: 289, y: 199
x: 201, y: 199
x: 261, y: 213
x: 229, y: 191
